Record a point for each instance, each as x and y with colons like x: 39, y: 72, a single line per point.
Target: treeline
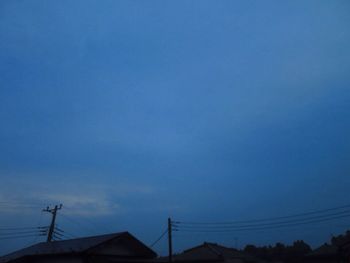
x: 295, y: 252
x: 341, y: 239
x: 279, y: 252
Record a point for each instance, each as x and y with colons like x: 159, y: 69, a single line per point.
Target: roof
x: 210, y: 252
x: 77, y: 245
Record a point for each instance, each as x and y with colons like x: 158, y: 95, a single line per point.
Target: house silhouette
x: 117, y: 247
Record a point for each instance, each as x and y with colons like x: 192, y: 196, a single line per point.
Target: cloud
x: 85, y: 204
x: 79, y: 198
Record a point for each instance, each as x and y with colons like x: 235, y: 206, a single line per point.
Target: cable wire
x: 20, y: 233
x: 182, y: 229
x: 18, y: 228
x: 299, y: 220
x: 15, y: 237
x: 159, y: 238
x: 344, y: 207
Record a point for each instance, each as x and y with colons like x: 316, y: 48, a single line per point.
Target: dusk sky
x: 128, y: 112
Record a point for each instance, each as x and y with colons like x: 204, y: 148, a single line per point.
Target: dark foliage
x: 280, y: 252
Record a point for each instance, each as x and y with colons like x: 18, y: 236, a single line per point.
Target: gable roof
x: 77, y: 245
x: 209, y: 252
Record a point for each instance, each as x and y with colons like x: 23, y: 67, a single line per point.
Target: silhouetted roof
x: 211, y: 252
x: 208, y: 251
x: 78, y: 245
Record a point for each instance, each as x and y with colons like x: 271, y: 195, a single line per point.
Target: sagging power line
x: 267, y: 223
x: 22, y: 232
x: 159, y: 238
x: 323, y: 211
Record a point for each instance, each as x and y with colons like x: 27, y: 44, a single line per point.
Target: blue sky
x: 128, y: 112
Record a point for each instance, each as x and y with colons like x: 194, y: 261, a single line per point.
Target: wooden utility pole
x: 170, y: 240
x: 53, y: 211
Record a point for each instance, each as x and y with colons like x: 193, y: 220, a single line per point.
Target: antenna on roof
x: 53, y: 211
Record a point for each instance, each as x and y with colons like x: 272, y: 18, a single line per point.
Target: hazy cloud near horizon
x: 81, y: 197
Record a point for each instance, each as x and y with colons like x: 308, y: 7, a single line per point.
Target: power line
x: 21, y: 232
x: 37, y: 230
x: 158, y: 239
x: 17, y: 228
x: 312, y: 217
x: 39, y: 223
x: 298, y: 220
x: 58, y: 233
x: 59, y: 229
x: 182, y: 229
x: 20, y: 236
x: 63, y: 233
x: 87, y: 224
x: 267, y: 219
x: 69, y: 236
x: 15, y: 237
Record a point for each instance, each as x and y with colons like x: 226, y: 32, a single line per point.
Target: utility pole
x: 53, y: 211
x: 170, y: 240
